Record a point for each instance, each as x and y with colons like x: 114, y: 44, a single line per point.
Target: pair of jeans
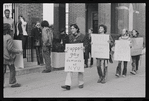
x: 86, y: 56
x: 102, y: 68
x: 47, y: 56
x: 135, y: 62
x: 12, y: 78
x: 24, y: 43
x: 68, y: 80
x: 118, y: 70
x: 39, y: 54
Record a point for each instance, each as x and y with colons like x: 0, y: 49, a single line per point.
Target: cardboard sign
x: 122, y: 50
x: 137, y: 44
x: 100, y: 46
x: 19, y: 58
x: 74, y: 58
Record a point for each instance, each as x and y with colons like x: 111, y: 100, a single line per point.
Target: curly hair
x: 136, y: 31
x: 104, y: 27
x: 44, y: 23
x: 6, y: 28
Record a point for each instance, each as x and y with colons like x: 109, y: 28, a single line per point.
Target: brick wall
x: 31, y: 12
x: 77, y: 15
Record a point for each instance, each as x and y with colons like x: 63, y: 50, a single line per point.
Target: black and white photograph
x: 85, y: 50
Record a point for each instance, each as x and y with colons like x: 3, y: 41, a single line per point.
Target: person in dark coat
x: 64, y: 38
x: 36, y: 33
x: 135, y: 58
x: 21, y: 32
x: 87, y: 45
x: 102, y: 64
x: 74, y: 37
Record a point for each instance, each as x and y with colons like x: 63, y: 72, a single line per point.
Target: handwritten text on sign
x: 74, y: 61
x: 100, y: 46
x: 122, y: 50
x: 19, y: 58
x: 137, y: 44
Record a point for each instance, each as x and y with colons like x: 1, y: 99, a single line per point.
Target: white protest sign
x: 137, y: 44
x: 19, y: 58
x: 122, y: 50
x: 74, y: 58
x: 100, y: 46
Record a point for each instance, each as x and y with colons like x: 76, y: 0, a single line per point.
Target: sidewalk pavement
x: 29, y: 67
x: 44, y: 85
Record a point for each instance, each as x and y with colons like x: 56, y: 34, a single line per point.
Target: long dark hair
x: 45, y: 24
x: 75, y: 26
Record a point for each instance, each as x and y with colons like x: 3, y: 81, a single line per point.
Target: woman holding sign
x: 75, y: 37
x: 124, y: 36
x: 135, y: 58
x: 103, y: 62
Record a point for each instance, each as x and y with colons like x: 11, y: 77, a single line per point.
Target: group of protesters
x: 43, y: 40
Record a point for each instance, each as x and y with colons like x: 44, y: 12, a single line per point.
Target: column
x: 59, y: 18
x: 77, y: 15
x: 104, y: 15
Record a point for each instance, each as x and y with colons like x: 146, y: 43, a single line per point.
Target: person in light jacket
x: 124, y: 36
x: 47, y: 38
x: 9, y: 55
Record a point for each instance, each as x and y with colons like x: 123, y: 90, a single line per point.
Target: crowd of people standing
x: 42, y: 34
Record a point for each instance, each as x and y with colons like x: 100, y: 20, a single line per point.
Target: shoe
x: 99, y: 81
x: 124, y: 76
x: 133, y: 72
x: 41, y: 64
x: 117, y: 75
x: 46, y: 71
x: 80, y: 86
x: 16, y: 85
x: 66, y: 87
x: 103, y: 81
x: 85, y: 66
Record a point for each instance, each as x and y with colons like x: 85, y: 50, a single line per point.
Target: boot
x: 104, y: 76
x: 100, y: 74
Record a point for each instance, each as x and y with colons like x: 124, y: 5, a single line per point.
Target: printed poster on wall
x: 137, y: 44
x: 19, y: 63
x: 122, y: 50
x: 100, y: 46
x: 74, y: 58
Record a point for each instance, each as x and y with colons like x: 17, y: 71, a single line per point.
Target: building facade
x: 115, y: 16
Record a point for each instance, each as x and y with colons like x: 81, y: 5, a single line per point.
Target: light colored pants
x: 69, y: 78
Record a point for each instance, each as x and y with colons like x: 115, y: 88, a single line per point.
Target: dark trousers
x: 86, y: 56
x: 118, y: 70
x: 24, y: 43
x: 12, y: 78
x: 102, y: 73
x: 39, y: 54
x: 135, y: 62
x: 47, y: 56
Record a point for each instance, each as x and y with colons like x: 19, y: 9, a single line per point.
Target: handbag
x: 37, y: 43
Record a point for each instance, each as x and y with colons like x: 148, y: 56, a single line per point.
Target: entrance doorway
x: 92, y: 17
